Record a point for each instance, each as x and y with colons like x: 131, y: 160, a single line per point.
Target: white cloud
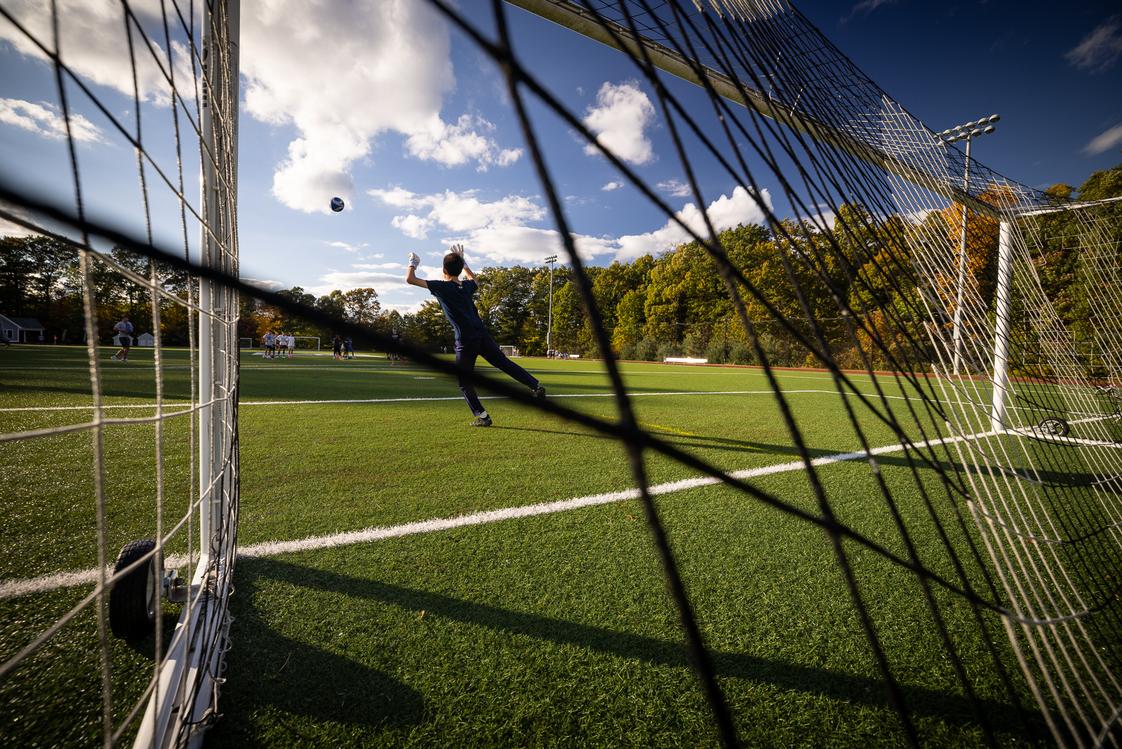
x: 675, y: 187
x: 343, y: 74
x: 44, y: 119
x: 619, y: 119
x: 516, y: 243
x: 397, y: 197
x: 264, y: 283
x: 612, y: 186
x: 1104, y: 141
x: 412, y: 226
x: 94, y: 44
x: 10, y: 229
x: 511, y: 243
x: 725, y: 212
x: 497, y: 231
x: 459, y: 143
x: 1099, y: 50
x: 457, y: 212
x: 347, y: 246
x: 362, y: 275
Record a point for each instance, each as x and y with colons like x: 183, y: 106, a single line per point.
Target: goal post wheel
x: 134, y: 598
x: 1055, y: 426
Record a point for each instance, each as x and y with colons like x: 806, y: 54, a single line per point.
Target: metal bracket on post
x: 1001, y: 326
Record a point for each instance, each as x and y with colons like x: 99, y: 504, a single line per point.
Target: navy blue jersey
x: 459, y: 307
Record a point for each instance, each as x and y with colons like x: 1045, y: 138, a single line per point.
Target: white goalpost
x: 195, y: 456
x: 310, y: 342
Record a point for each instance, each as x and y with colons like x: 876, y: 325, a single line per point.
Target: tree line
x: 675, y: 304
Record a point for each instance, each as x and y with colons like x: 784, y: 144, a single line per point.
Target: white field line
x: 440, y: 398
x: 47, y: 583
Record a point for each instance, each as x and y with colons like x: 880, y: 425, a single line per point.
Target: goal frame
x: 185, y: 700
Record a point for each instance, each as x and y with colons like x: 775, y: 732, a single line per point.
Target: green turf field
x: 552, y: 629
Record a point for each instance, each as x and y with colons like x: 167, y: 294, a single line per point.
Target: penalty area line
x: 48, y: 583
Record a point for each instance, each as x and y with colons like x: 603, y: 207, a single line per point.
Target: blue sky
x: 384, y: 104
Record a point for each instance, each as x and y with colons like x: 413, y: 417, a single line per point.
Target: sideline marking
x: 47, y: 583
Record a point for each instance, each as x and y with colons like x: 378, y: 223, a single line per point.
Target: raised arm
x: 459, y: 250
x: 411, y: 273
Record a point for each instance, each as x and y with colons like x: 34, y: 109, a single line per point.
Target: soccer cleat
x: 539, y: 392
x: 481, y: 421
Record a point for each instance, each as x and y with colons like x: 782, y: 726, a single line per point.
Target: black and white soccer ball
x: 337, y: 204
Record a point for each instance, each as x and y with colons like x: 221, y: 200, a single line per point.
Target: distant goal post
x: 511, y: 351
x: 308, y: 342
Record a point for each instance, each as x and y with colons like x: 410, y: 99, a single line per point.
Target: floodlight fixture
x: 967, y: 132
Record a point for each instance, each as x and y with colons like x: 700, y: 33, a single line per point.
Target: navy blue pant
x: 466, y: 354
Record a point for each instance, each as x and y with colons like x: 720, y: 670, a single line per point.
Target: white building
x: 144, y: 339
x: 21, y: 329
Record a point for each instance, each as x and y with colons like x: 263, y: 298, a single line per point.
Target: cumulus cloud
x: 94, y: 44
x: 362, y: 275
x: 341, y: 74
x: 460, y: 143
x: 498, y: 231
x: 11, y: 229
x: 44, y: 119
x: 612, y: 186
x: 517, y: 243
x: 619, y: 120
x: 1098, y: 51
x: 725, y: 212
x: 347, y: 246
x: 412, y: 226
x: 344, y: 73
x: 1104, y: 141
x: 675, y: 187
x: 456, y: 211
x: 267, y: 284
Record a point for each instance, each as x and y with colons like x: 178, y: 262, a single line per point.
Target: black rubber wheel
x: 1055, y: 427
x: 133, y: 600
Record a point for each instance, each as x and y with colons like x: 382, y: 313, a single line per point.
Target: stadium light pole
x: 549, y: 325
x: 967, y: 132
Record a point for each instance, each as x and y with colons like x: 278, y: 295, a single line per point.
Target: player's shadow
x: 850, y: 688
x: 286, y: 677
x: 686, y: 440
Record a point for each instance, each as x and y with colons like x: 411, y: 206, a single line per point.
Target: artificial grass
x: 543, y: 631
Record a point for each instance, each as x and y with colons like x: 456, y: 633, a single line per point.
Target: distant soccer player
x: 270, y: 340
x: 349, y: 347
x: 124, y: 335
x: 472, y: 339
x: 337, y: 347
x: 289, y: 345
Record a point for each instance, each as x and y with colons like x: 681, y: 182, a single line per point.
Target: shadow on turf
x: 950, y: 708
x: 280, y: 678
x: 691, y: 440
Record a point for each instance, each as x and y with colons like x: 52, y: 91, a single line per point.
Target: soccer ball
x: 336, y: 204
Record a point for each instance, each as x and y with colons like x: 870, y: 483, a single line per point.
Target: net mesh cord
x: 1028, y: 520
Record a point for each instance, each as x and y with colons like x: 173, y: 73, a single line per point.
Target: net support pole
x: 1001, y: 326
x: 962, y: 265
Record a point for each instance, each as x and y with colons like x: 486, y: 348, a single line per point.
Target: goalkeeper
x: 472, y: 339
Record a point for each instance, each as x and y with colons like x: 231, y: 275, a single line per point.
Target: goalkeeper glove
x: 414, y: 260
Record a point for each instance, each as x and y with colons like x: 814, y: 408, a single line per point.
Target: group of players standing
x: 279, y: 345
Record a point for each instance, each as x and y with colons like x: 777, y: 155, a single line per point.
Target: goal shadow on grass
x: 405, y: 705
x: 680, y: 439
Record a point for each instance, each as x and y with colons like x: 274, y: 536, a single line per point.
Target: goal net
x: 308, y: 342
x: 144, y: 516
x: 982, y: 409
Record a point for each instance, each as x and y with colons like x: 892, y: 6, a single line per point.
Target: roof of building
x: 27, y: 323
